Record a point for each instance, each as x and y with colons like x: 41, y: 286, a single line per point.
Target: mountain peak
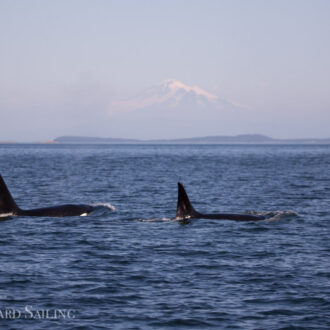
x: 171, y: 93
x: 175, y: 85
x: 173, y: 106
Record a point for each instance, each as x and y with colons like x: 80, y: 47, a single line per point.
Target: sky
x: 64, y: 63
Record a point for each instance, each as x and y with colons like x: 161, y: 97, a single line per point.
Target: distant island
x: 237, y: 139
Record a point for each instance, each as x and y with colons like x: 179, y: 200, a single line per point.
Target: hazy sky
x: 63, y: 63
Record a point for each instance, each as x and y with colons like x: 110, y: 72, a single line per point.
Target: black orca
x: 8, y: 207
x: 186, y: 211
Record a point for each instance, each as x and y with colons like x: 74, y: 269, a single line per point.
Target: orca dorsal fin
x: 7, y: 203
x: 184, y: 208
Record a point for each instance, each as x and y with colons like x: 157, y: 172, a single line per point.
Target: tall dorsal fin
x: 184, y: 208
x: 7, y: 203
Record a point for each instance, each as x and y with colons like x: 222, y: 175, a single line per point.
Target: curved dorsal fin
x: 7, y: 203
x: 184, y: 208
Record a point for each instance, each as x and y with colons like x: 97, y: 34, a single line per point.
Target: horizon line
x: 240, y: 138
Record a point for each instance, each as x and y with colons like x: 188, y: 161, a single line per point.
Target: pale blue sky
x: 62, y: 63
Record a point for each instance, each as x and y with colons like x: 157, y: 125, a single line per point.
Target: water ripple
x: 135, y: 268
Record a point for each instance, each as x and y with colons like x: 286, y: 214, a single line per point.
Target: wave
x: 278, y: 215
x: 269, y: 216
x: 155, y: 220
x: 104, y: 205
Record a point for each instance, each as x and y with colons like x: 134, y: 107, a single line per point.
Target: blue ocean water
x: 134, y: 268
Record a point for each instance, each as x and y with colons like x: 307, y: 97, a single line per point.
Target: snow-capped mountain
x: 172, y: 109
x: 172, y: 93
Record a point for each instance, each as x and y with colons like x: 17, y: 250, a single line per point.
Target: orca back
x: 7, y: 203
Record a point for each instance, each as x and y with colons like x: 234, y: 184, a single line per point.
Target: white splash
x: 106, y: 205
x: 155, y: 220
x: 277, y: 215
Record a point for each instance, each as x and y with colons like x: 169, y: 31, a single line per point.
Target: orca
x: 9, y: 207
x: 186, y: 211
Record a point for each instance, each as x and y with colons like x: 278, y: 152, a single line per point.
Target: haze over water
x: 134, y: 268
x: 66, y: 65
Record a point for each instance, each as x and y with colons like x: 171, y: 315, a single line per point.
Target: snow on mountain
x: 172, y: 88
x: 173, y: 109
x: 172, y: 93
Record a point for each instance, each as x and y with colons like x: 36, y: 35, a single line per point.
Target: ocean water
x: 132, y: 267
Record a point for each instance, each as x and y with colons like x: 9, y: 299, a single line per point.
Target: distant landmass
x: 87, y: 139
x: 237, y: 139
